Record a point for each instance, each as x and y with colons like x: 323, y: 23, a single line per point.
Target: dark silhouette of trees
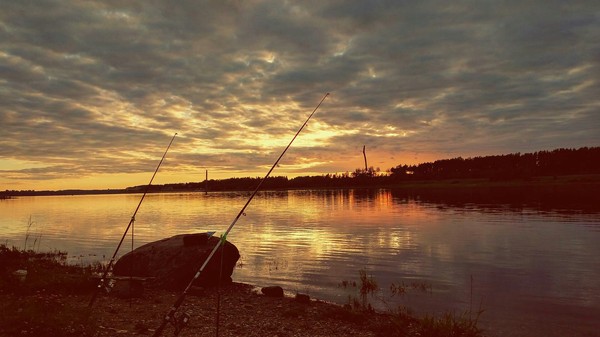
x: 514, y: 166
x: 506, y: 167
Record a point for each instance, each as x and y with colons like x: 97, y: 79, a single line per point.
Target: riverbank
x: 561, y: 182
x: 243, y: 312
x: 42, y: 296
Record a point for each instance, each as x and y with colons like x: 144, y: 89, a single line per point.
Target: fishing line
x: 131, y: 266
x: 112, y: 259
x: 217, y: 320
x: 171, y: 314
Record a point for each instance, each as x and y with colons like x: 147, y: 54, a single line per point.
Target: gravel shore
x: 243, y: 312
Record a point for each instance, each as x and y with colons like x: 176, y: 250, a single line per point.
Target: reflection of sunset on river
x: 343, y: 211
x: 521, y: 259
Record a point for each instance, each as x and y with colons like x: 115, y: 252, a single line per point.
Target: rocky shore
x: 243, y: 311
x: 41, y: 295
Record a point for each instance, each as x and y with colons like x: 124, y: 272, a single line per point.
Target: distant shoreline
x: 588, y: 181
x: 559, y: 167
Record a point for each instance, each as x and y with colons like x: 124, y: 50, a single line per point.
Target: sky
x: 91, y: 92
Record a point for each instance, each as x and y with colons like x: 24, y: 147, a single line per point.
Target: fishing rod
x: 112, y: 259
x: 180, y: 322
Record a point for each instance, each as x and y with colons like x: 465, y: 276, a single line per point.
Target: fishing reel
x: 106, y: 285
x: 179, y: 322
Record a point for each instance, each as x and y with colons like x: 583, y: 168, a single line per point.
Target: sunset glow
x: 92, y: 92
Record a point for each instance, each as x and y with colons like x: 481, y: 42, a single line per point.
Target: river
x: 534, y: 270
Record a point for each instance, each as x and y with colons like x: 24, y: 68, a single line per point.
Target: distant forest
x: 509, y: 167
x: 514, y: 166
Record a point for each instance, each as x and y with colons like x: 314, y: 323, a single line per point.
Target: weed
x: 402, y: 321
x: 450, y: 325
x: 399, y: 289
x: 28, y: 231
x: 277, y: 264
x: 47, y: 270
x: 37, y: 237
x: 346, y: 284
x: 368, y: 286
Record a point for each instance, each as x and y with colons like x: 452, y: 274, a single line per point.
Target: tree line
x: 514, y: 166
x: 510, y: 166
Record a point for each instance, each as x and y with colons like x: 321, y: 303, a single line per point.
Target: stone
x: 20, y: 274
x: 128, y: 288
x: 302, y: 298
x: 274, y: 291
x: 171, y: 263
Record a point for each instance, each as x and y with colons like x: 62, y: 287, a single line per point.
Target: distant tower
x: 365, y: 155
x: 206, y: 183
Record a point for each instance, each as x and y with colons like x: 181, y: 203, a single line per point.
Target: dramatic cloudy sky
x: 91, y: 92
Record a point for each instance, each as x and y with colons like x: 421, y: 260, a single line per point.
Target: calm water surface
x: 536, y: 273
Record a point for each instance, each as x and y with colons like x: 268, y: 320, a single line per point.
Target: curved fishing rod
x: 112, y: 259
x: 171, y: 314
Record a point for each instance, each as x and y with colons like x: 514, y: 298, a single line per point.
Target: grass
x: 368, y: 285
x: 47, y: 270
x: 450, y: 325
x: 37, y: 237
x: 35, y: 305
x: 401, y: 322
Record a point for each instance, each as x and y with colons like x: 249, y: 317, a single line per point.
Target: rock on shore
x: 172, y: 262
